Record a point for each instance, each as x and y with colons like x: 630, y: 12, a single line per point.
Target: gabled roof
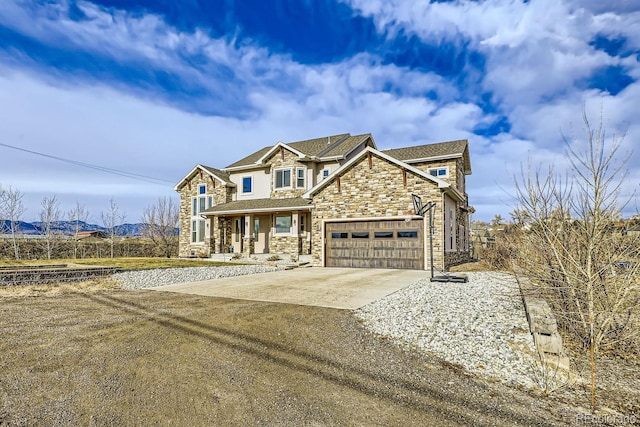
x: 431, y: 152
x: 217, y: 174
x: 441, y: 184
x: 346, y: 146
x: 334, y: 146
x: 259, y: 205
x: 250, y: 159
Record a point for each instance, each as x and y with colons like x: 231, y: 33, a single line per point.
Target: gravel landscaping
x: 479, y: 325
x: 140, y: 279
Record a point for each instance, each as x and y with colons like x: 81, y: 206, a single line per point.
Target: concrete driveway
x: 344, y: 288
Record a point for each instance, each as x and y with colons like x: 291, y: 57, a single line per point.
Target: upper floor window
x: 283, y: 178
x: 200, y: 204
x: 247, y: 184
x: 325, y: 173
x: 300, y: 178
x: 202, y: 189
x: 439, y: 172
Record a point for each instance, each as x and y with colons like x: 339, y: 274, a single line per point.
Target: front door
x: 261, y: 229
x: 237, y: 234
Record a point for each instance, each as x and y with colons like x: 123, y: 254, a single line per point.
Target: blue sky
x: 154, y: 87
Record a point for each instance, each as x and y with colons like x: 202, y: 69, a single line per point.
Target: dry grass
x: 57, y: 289
x: 472, y: 266
x: 123, y: 263
x: 158, y: 358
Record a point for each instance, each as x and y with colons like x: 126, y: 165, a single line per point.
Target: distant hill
x: 69, y: 227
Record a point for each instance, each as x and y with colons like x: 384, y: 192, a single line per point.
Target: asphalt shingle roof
x: 345, y: 146
x: 309, y: 147
x: 258, y: 204
x: 449, y: 148
x: 224, y: 176
x: 313, y: 147
x: 251, y: 158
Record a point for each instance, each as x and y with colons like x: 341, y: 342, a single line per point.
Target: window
x: 256, y: 229
x: 325, y: 173
x: 247, y: 184
x: 199, y: 204
x: 283, y: 224
x: 383, y: 234
x: 201, y: 231
x: 360, y: 235
x: 283, y: 178
x: 339, y: 235
x: 407, y: 234
x: 302, y: 223
x: 439, y: 172
x: 300, y: 178
x: 197, y: 230
x: 237, y: 223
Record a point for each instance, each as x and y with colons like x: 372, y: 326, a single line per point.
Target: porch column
x: 295, y: 223
x: 249, y: 235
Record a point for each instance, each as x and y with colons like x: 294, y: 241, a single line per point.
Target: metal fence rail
x: 41, y: 274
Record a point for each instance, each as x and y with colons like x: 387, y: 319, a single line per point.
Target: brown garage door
x: 375, y: 244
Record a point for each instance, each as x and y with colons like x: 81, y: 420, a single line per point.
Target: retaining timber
x: 17, y: 275
x: 543, y: 327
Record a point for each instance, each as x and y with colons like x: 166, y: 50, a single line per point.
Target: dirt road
x: 156, y: 358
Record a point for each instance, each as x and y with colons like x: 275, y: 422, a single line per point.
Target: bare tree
x: 49, y: 218
x: 571, y: 250
x: 12, y: 209
x: 111, y: 219
x: 161, y: 224
x: 77, y: 215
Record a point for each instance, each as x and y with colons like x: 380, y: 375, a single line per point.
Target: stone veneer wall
x: 375, y: 192
x: 220, y: 193
x: 452, y: 164
x: 284, y: 245
x: 290, y: 161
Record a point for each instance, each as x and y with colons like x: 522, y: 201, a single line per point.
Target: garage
x: 375, y: 244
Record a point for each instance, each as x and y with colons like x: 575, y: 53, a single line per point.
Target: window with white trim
x: 247, y: 185
x: 199, y: 204
x: 300, y: 177
x: 282, y: 179
x: 442, y: 172
x: 325, y: 173
x: 283, y: 224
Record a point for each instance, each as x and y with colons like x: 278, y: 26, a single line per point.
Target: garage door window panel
x: 360, y: 235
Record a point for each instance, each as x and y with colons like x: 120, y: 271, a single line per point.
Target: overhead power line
x: 126, y: 174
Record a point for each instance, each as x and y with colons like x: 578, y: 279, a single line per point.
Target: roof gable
x: 216, y: 174
x: 437, y: 151
x: 441, y: 184
x: 316, y: 148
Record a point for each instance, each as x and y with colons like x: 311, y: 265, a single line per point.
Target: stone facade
x: 378, y: 191
x: 372, y: 188
x: 285, y: 245
x: 285, y: 159
x: 220, y: 194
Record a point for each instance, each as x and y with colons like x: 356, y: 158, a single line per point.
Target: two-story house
x: 336, y: 198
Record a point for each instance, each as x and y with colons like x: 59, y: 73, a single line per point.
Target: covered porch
x: 261, y: 226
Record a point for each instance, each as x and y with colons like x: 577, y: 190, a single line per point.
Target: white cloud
x: 531, y: 69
